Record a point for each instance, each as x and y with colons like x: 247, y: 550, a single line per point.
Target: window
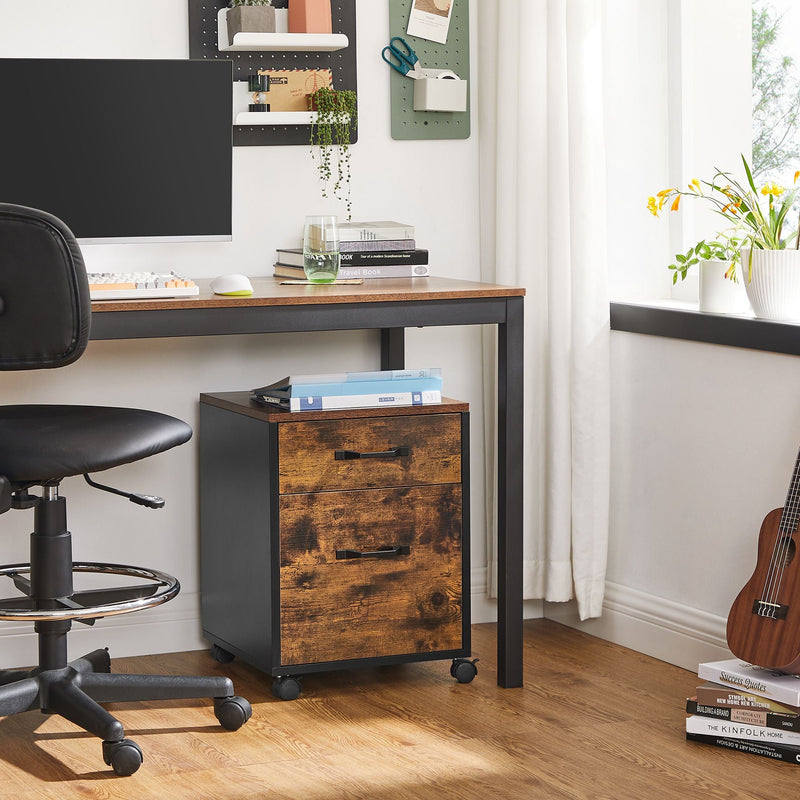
x: 776, y: 90
x: 678, y: 104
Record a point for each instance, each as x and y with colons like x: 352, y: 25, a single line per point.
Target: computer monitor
x: 120, y: 150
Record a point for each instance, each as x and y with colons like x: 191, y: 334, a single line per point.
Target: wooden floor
x: 593, y: 721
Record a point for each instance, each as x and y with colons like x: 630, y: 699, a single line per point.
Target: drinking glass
x: 321, y: 248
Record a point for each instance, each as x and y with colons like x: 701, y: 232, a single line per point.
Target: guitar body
x: 764, y: 621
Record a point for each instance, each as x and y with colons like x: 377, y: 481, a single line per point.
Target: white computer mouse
x: 235, y: 285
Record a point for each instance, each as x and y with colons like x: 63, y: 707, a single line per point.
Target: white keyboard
x: 139, y: 285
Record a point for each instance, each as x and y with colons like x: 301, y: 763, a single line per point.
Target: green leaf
x: 787, y: 204
x: 749, y: 175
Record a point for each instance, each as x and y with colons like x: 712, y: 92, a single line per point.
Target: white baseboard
x: 484, y: 608
x: 168, y: 628
x: 664, y: 629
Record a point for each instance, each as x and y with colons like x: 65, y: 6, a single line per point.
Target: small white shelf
x: 275, y: 118
x: 306, y: 42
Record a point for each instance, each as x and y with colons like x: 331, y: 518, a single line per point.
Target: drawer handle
x: 381, y: 552
x: 347, y: 455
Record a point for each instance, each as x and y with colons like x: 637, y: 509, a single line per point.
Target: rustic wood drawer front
x: 339, y: 600
x: 369, y: 453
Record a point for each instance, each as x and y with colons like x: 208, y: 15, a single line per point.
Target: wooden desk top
x: 269, y: 291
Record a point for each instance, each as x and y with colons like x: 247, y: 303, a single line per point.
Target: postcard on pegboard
x: 430, y: 19
x: 288, y: 88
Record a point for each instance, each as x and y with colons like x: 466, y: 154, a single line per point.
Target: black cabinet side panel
x: 235, y: 534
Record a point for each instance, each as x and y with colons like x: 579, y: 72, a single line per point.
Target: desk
x: 389, y: 306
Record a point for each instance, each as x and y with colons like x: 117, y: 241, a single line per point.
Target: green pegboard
x: 454, y: 55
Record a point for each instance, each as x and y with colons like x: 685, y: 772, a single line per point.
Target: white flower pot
x: 774, y: 290
x: 718, y: 294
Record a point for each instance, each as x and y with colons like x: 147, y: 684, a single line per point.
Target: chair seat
x: 40, y: 443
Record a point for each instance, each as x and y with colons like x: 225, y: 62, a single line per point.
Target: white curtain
x: 543, y: 226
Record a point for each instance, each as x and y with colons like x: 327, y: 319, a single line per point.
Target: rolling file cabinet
x: 334, y: 539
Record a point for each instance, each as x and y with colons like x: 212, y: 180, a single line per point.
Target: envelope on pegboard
x: 288, y: 87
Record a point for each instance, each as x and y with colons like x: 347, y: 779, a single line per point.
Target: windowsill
x: 675, y: 320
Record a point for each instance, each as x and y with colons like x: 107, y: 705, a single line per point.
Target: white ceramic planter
x: 718, y: 294
x: 774, y: 290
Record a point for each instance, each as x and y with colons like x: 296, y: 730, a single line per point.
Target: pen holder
x: 440, y: 94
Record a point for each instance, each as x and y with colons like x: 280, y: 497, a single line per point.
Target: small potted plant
x: 725, y: 249
x: 717, y: 260
x: 331, y: 133
x: 251, y: 16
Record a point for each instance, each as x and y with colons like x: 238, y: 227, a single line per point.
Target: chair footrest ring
x: 163, y: 587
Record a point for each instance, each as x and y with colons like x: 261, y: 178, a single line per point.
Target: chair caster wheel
x: 220, y: 654
x: 124, y: 756
x: 232, y: 712
x: 464, y: 670
x: 286, y: 687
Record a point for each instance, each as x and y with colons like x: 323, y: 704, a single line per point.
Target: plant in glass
x: 331, y: 131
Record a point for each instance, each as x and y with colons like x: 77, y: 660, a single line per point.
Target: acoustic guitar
x: 764, y: 621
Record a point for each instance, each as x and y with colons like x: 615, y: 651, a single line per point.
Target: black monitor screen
x: 120, y: 150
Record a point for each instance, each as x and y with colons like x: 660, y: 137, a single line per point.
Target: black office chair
x: 44, y: 322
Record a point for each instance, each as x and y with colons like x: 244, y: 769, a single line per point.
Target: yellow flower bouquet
x: 751, y: 225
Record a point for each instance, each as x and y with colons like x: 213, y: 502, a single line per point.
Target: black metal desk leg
x: 510, y: 369
x: 393, y: 348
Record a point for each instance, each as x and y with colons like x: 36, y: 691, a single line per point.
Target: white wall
x: 637, y: 108
x: 704, y: 440
x: 433, y: 185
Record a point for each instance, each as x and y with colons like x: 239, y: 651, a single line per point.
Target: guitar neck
x: 791, y: 509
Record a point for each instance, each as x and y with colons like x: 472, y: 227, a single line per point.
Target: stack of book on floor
x: 746, y: 708
x: 382, y: 249
x: 398, y: 387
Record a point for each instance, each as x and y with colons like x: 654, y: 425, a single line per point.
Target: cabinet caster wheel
x: 286, y: 687
x: 124, y: 756
x: 232, y: 712
x: 464, y: 670
x: 220, y: 654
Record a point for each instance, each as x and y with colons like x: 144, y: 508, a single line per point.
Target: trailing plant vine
x: 330, y: 139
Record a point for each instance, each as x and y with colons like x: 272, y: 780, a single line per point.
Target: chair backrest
x: 45, y: 312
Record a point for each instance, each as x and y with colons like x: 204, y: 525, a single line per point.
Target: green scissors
x: 402, y: 58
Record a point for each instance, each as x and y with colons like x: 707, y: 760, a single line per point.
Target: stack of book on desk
x: 746, y: 708
x: 399, y: 387
x: 382, y: 249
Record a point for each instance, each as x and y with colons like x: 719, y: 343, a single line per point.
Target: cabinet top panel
x: 240, y: 403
